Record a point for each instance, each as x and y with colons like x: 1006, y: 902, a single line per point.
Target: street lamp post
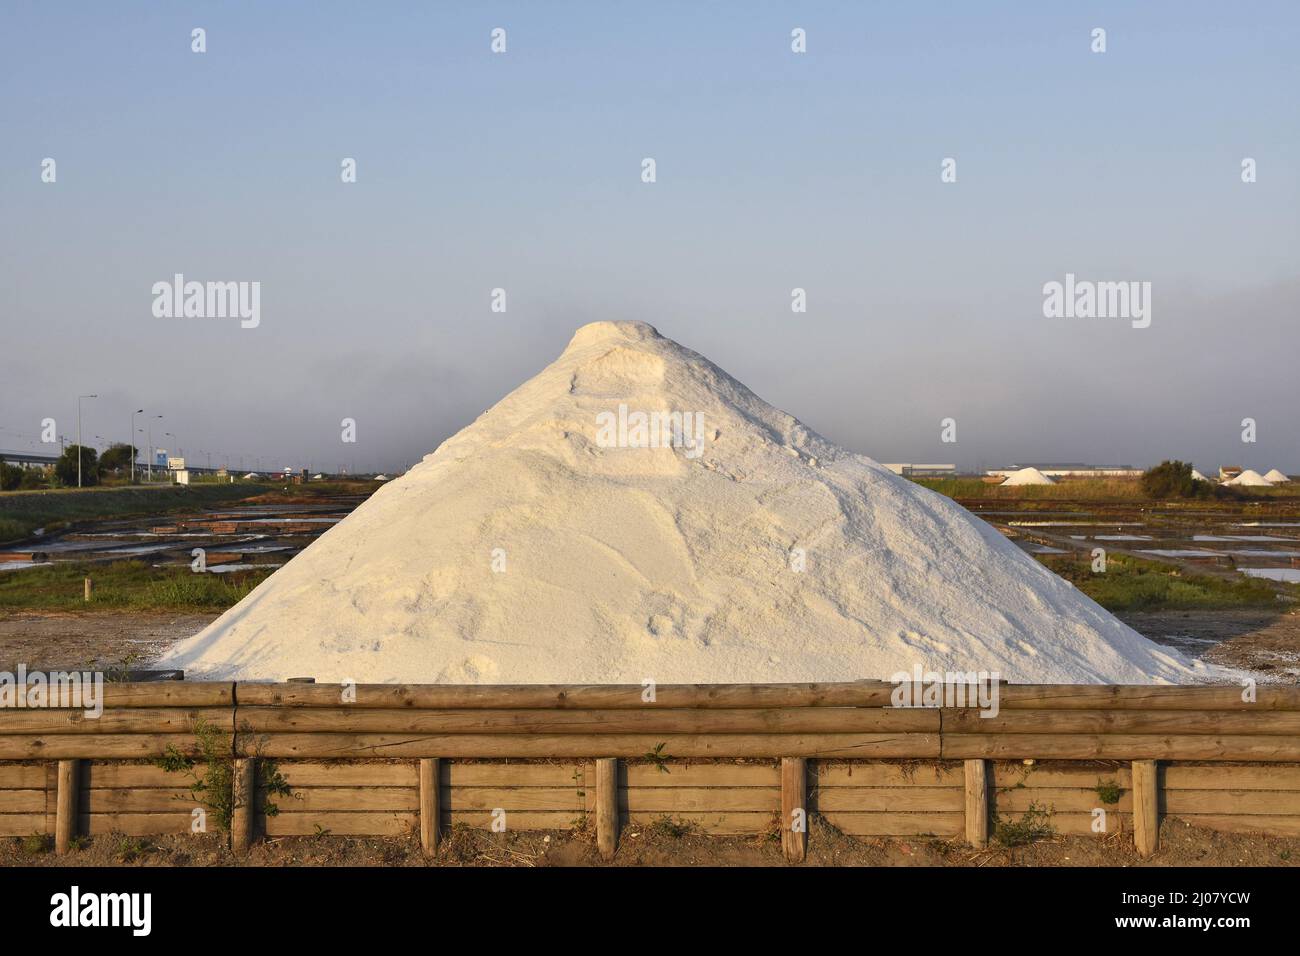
x: 131, y: 443
x: 79, y: 448
x: 173, y: 442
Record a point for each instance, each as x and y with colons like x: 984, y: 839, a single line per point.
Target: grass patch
x: 1109, y: 792
x: 37, y: 844
x: 126, y: 584
x: 1134, y: 584
x: 1034, y: 825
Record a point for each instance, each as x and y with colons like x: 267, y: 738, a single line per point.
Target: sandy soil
x: 56, y: 640
x: 1266, y: 643
x: 1181, y: 845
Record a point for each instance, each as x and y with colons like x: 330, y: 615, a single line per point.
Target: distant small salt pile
x: 1197, y: 476
x: 1275, y: 477
x: 1028, y: 476
x: 563, y: 537
x: 1249, y: 479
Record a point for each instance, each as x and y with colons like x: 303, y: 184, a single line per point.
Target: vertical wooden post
x: 241, y: 821
x: 1146, y: 809
x: 606, y: 807
x: 794, y: 808
x: 65, y: 813
x: 977, y: 802
x: 89, y: 586
x: 430, y: 805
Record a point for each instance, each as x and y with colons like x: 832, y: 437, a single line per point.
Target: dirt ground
x: 1264, y: 642
x: 61, y: 640
x: 662, y: 845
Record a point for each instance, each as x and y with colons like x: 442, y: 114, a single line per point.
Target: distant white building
x: 922, y: 471
x: 1070, y: 469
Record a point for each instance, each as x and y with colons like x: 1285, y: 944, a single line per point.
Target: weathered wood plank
x: 1233, y: 802
x: 1180, y: 722
x: 567, y: 696
x: 243, y: 817
x: 701, y: 775
x: 157, y: 694
x: 142, y: 800
x: 862, y: 774
x: 1180, y: 777
x: 1057, y: 798
x: 22, y: 824
x: 134, y: 824
x: 1144, y: 697
x: 569, y: 774
x: 65, y: 814
x: 648, y: 719
x: 101, y: 775
x: 513, y: 798
x: 1122, y: 747
x: 22, y: 801
x: 18, y: 776
x: 1146, y: 813
x: 317, y: 799
x: 430, y: 803
x: 123, y: 720
x: 341, y: 823
x: 976, y: 802
x: 874, y: 799
x: 370, y: 773
x: 1034, y: 776
x: 578, y: 745
x: 794, y: 809
x: 93, y: 746
x: 607, y: 807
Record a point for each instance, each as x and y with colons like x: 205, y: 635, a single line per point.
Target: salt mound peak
x: 1028, y: 476
x: 560, y: 538
x: 1249, y: 479
x: 1276, y: 477
x: 613, y: 331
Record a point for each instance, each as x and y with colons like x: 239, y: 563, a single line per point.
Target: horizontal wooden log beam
x: 125, y: 720
x: 564, y: 696
x: 1144, y: 697
x: 648, y: 720
x: 1121, y: 747
x: 93, y: 746
x: 1181, y: 722
x: 597, y: 745
x: 167, y: 693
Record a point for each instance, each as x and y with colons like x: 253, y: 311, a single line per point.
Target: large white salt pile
x: 1028, y: 476
x: 526, y: 550
x: 1250, y: 479
x: 1276, y: 477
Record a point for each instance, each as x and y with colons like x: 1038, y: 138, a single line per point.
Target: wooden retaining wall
x: 724, y: 759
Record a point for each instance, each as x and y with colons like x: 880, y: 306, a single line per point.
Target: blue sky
x: 775, y: 170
